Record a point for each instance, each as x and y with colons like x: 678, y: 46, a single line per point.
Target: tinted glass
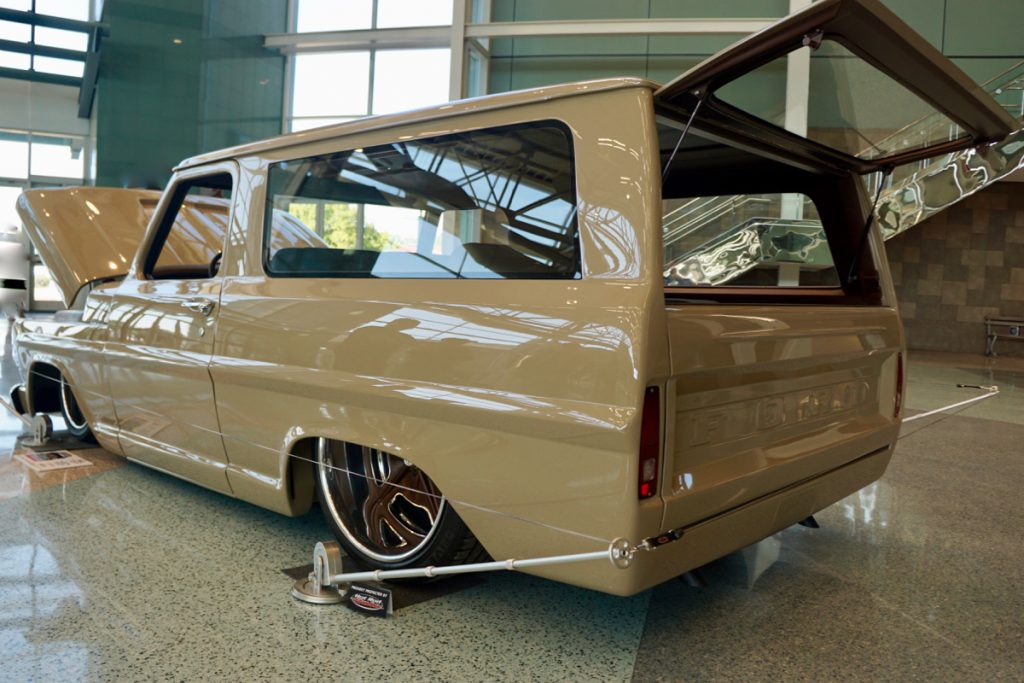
x: 496, y: 203
x: 851, y: 106
x: 198, y: 217
x: 762, y: 240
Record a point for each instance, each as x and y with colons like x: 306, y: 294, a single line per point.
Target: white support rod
x: 505, y: 565
x: 992, y: 392
x: 15, y: 413
x: 440, y: 36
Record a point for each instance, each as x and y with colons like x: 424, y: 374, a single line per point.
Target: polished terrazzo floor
x: 127, y: 574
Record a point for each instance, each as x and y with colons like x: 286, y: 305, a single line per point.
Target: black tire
x: 386, y: 513
x: 76, y: 423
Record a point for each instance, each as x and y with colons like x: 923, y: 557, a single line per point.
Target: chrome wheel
x: 385, y: 508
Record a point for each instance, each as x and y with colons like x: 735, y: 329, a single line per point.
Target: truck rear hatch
x: 784, y: 341
x: 768, y: 396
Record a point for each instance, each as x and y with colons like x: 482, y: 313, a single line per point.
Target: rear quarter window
x: 498, y: 203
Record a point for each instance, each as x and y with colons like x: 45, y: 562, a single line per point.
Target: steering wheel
x: 215, y: 264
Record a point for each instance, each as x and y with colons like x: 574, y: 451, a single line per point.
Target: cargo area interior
x: 797, y: 230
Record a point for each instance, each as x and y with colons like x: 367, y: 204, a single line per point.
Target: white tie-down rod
x: 989, y: 393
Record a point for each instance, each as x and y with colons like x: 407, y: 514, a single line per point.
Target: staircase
x: 718, y: 239
x: 918, y: 191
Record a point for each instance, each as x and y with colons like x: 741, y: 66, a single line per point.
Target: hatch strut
x: 700, y: 95
x: 851, y: 276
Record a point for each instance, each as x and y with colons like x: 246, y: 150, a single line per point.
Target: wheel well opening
x: 44, y: 388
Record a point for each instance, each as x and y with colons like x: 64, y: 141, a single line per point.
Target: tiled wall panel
x: 959, y: 266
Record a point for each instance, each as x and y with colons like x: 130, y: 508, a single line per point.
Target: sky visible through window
x: 353, y: 15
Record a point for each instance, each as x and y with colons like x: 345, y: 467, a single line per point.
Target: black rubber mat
x: 58, y: 441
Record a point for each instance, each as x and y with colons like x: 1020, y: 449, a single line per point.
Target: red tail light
x: 650, y: 442
x: 899, y: 385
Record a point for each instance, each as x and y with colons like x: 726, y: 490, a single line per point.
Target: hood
x: 86, y: 234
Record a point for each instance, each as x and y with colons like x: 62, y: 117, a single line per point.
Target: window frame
x: 163, y: 221
x: 836, y: 199
x: 396, y: 137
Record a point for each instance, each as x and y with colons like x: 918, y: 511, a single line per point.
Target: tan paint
x: 86, y: 234
x: 529, y: 404
x: 537, y: 417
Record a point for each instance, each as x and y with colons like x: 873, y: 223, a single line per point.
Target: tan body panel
x: 519, y: 396
x: 85, y: 234
x: 769, y: 395
x: 480, y: 385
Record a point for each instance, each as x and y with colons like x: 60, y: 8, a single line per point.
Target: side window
x: 751, y: 240
x: 189, y: 243
x: 495, y: 203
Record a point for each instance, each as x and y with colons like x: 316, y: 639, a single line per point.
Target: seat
x: 323, y: 262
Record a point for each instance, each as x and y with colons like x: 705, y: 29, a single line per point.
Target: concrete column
x: 456, y: 81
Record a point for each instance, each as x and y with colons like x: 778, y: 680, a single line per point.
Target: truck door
x: 162, y: 327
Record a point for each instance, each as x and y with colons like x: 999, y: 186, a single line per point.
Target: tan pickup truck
x: 524, y: 324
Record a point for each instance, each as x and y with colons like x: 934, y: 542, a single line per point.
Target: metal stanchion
x: 39, y: 427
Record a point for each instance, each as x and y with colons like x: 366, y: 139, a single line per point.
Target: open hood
x: 86, y: 234
x: 877, y: 93
x: 91, y: 234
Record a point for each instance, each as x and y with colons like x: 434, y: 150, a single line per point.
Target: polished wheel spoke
x: 400, y: 508
x: 384, y: 505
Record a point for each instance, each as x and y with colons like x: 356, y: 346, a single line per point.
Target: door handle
x: 200, y: 306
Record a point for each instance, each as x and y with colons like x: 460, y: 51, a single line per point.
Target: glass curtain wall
x: 331, y: 87
x: 37, y: 160
x: 45, y: 36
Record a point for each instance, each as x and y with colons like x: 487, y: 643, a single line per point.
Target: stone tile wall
x: 959, y: 266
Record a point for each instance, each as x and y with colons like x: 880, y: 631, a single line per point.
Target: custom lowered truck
x: 523, y: 324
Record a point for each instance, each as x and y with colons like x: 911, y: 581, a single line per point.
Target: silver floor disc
x: 307, y: 590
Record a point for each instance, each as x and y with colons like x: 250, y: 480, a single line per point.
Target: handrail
x: 994, y: 86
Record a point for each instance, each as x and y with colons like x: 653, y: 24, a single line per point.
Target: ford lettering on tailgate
x: 737, y: 420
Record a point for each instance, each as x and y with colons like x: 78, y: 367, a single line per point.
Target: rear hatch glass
x: 852, y: 107
x: 838, y: 86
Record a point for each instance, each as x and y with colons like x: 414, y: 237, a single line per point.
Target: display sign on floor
x: 373, y: 601
x: 52, y: 461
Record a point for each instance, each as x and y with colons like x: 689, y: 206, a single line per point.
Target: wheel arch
x: 42, y: 387
x: 300, y: 473
x: 300, y: 468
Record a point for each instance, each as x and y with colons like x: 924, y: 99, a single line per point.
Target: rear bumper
x: 737, y: 528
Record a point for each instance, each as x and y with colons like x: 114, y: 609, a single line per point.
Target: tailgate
x: 763, y: 397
